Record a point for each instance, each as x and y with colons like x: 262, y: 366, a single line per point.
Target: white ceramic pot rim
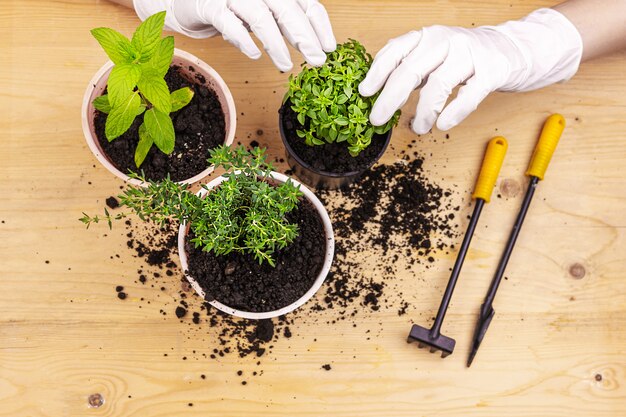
x: 226, y: 98
x: 328, y: 258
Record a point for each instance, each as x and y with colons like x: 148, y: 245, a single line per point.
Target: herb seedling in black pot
x: 324, y: 121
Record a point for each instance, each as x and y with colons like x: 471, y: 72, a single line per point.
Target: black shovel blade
x: 424, y: 338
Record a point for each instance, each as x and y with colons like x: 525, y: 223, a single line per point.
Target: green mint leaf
x: 116, y: 46
x: 144, y: 145
x: 102, y: 103
x: 122, y: 82
x: 147, y: 36
x: 142, y: 108
x: 160, y: 127
x: 121, y: 117
x: 163, y: 55
x: 180, y: 98
x: 155, y: 90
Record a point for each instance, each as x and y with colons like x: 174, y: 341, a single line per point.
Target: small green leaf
x: 332, y: 134
x: 180, y: 98
x: 144, y: 145
x: 301, y: 118
x: 122, y: 82
x: 342, y: 99
x: 147, y: 36
x: 341, y: 121
x: 142, y: 108
x: 354, y: 150
x: 155, y: 90
x: 163, y: 55
x: 342, y: 137
x: 102, y: 103
x: 160, y: 127
x: 116, y: 46
x: 121, y: 117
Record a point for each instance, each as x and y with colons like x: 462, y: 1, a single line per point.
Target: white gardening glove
x: 541, y: 49
x: 304, y: 23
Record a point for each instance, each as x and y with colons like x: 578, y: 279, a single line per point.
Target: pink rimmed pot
x: 184, y: 60
x: 328, y: 257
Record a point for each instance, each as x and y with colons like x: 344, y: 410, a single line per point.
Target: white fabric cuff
x: 550, y: 44
x: 146, y: 8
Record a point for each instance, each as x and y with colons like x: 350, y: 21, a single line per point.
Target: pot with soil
x: 239, y: 285
x: 324, y: 122
x: 253, y: 243
x: 156, y: 110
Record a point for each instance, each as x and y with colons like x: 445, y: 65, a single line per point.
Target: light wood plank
x: 64, y: 335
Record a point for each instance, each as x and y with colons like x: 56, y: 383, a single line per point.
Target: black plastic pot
x: 323, y: 179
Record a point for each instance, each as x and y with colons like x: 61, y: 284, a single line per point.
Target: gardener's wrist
x: 550, y: 46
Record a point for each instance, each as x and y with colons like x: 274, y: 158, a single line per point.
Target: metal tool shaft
x: 445, y: 301
x: 486, y: 310
x: 504, y: 260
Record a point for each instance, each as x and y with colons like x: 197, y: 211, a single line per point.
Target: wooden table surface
x: 556, y: 348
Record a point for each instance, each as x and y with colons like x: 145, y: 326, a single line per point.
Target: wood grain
x: 556, y: 348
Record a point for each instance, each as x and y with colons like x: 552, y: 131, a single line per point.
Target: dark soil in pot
x: 330, y: 157
x: 199, y: 126
x: 239, y: 281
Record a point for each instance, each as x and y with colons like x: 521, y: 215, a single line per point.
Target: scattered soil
x: 112, y: 202
x: 395, y: 214
x: 199, y: 126
x: 330, y: 157
x: 239, y: 281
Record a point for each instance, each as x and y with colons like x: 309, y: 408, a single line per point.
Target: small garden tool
x: 544, y: 149
x: 492, y: 162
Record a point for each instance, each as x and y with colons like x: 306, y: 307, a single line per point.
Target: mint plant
x: 328, y: 104
x: 245, y: 213
x: 137, y: 86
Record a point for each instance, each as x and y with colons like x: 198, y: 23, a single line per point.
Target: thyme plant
x: 328, y: 104
x: 137, y: 86
x: 245, y: 213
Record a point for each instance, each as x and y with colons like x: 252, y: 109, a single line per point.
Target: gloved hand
x: 531, y: 53
x: 304, y: 23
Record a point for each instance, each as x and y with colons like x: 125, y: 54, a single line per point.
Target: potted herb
x: 254, y: 243
x: 324, y: 122
x: 155, y: 109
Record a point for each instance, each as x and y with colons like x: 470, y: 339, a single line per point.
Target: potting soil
x: 393, y: 212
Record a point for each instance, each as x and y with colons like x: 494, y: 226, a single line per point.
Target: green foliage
x: 245, y: 213
x: 136, y: 84
x: 328, y: 104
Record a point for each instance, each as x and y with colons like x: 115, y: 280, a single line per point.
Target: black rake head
x: 425, y: 338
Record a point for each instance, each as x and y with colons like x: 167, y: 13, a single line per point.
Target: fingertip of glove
x: 316, y: 60
x: 378, y: 119
x: 444, y: 124
x: 252, y: 53
x: 419, y: 127
x: 285, y: 67
x: 365, y: 90
x: 329, y: 45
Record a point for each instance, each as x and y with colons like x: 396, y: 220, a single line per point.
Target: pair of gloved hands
x: 541, y: 49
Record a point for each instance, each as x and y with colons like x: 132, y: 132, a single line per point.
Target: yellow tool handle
x: 550, y: 135
x: 492, y: 162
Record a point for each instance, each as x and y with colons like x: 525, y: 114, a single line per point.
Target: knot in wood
x: 577, y: 271
x: 95, y: 400
x: 509, y: 188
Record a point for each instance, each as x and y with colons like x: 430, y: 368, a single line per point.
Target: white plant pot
x: 328, y: 258
x: 98, y: 84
